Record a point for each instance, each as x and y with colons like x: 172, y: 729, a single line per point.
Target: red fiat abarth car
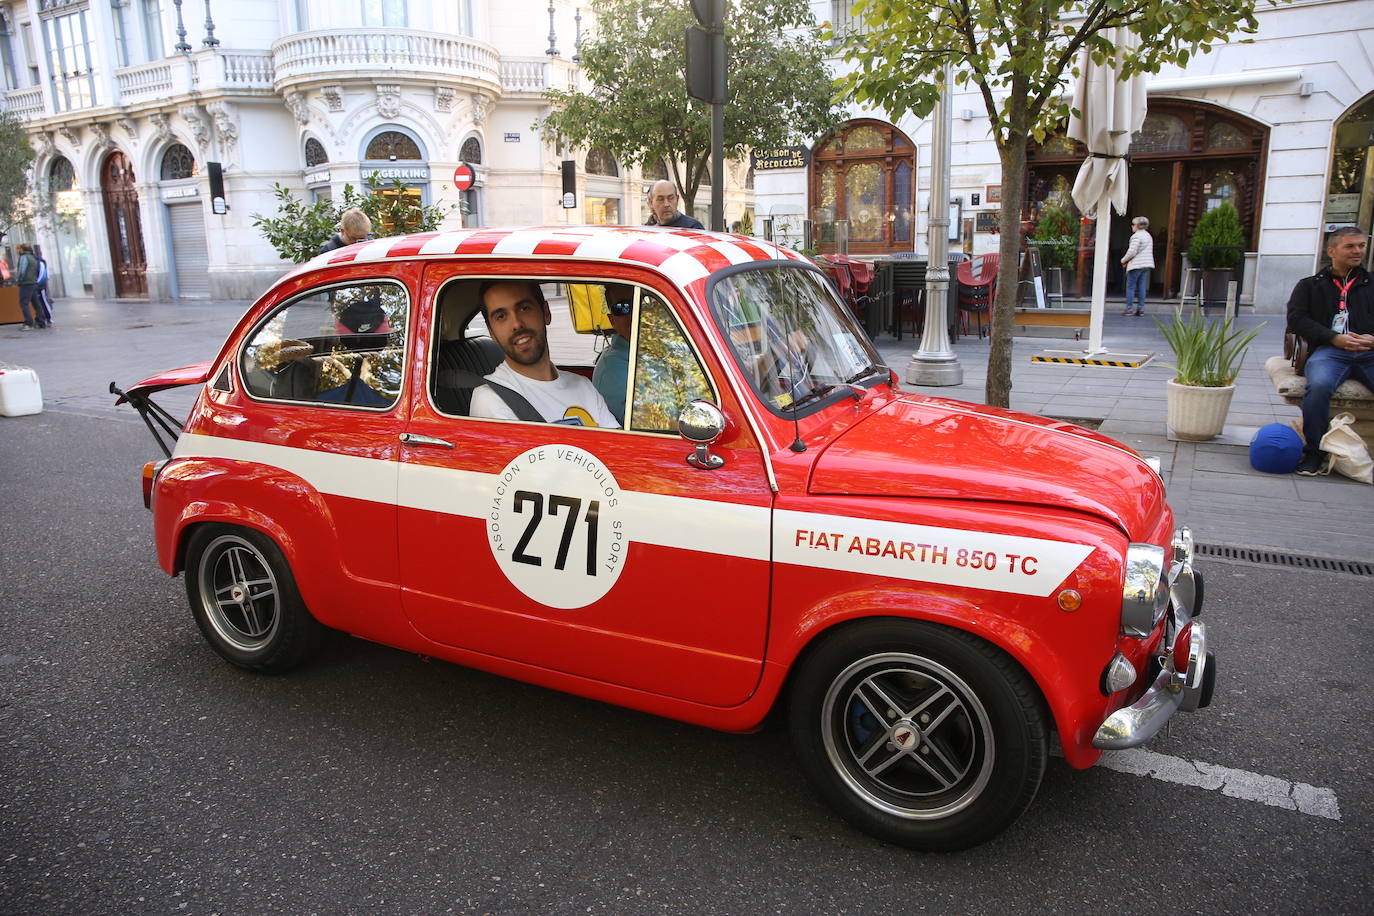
x: 932, y: 588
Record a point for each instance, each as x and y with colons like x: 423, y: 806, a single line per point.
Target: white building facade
x: 162, y: 126
x: 1281, y: 126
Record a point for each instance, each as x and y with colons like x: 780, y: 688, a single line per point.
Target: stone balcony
x: 315, y: 58
x: 528, y: 77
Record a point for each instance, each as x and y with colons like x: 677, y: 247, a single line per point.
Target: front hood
x: 942, y: 449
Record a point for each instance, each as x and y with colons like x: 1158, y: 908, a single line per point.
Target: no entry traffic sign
x: 464, y: 177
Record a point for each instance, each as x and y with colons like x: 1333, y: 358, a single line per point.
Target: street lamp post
x: 935, y: 363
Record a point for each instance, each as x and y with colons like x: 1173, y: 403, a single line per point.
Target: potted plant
x: 1056, y: 235
x: 1217, y: 247
x: 1209, y: 355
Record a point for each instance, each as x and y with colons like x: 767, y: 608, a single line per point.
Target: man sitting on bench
x: 1334, y: 312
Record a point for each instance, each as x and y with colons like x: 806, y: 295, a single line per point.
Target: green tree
x: 298, y: 229
x: 1218, y: 241
x: 780, y: 91
x: 15, y: 158
x: 1020, y: 55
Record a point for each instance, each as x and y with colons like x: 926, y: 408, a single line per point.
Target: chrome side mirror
x: 702, y: 423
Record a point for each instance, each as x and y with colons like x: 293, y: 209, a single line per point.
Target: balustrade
x: 336, y: 53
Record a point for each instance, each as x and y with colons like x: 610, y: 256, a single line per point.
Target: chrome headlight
x: 1145, y: 594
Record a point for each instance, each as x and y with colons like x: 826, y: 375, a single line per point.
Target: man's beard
x: 533, y: 357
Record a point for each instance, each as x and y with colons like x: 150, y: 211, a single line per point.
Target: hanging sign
x: 784, y: 157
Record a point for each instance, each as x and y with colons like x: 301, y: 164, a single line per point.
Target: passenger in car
x: 613, y: 365
x: 518, y: 316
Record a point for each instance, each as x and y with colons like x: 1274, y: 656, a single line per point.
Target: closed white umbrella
x: 1110, y: 110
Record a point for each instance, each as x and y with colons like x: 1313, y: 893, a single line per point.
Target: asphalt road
x: 140, y: 774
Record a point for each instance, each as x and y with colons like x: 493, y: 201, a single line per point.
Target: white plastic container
x: 20, y: 393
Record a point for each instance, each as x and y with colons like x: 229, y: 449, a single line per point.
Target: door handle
x: 417, y: 440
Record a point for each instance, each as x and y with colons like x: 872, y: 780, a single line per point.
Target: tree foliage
x: 779, y: 89
x: 16, y: 155
x: 298, y: 229
x: 1057, y: 230
x: 1218, y: 240
x: 1020, y: 55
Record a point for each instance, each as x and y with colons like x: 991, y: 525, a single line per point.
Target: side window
x: 667, y: 373
x: 344, y: 345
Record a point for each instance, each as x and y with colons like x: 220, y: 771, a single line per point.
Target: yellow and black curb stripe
x: 1135, y: 363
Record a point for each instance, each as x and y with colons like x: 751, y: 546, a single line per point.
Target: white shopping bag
x: 1347, y: 450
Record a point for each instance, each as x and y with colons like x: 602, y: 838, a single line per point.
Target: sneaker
x: 1313, y: 464
x: 27, y: 327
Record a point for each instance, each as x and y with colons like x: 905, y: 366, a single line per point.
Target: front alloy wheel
x: 918, y: 734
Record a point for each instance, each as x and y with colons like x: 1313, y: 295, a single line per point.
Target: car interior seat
x: 479, y: 355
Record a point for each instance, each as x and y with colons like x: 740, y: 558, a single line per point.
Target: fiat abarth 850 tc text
x: 933, y: 587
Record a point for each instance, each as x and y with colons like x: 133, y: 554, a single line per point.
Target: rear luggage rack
x: 166, y: 424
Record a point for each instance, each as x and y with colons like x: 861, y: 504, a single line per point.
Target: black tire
x: 952, y: 760
x: 245, y: 600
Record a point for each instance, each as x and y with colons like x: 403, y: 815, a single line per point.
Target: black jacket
x: 681, y: 221
x: 335, y: 241
x: 1315, y: 301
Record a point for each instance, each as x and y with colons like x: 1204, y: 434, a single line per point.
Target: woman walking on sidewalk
x: 1139, y: 261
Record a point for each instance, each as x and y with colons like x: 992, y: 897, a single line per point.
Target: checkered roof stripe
x: 685, y: 256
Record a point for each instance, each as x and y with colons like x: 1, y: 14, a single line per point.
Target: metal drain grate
x: 1277, y: 558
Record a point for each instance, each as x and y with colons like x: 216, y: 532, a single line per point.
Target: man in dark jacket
x: 26, y: 274
x: 354, y: 227
x: 663, y: 207
x: 1334, y: 312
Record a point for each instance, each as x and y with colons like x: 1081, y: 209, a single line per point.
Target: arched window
x: 865, y: 175
x: 392, y: 145
x: 658, y: 171
x: 61, y: 177
x: 472, y: 151
x: 314, y: 153
x: 178, y: 163
x: 600, y: 162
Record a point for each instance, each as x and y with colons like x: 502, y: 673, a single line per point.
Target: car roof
x: 684, y: 256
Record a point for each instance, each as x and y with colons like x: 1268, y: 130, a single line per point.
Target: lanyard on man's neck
x: 1343, y: 289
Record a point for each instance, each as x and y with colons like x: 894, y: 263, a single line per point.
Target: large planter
x: 1197, y: 413
x: 1216, y: 284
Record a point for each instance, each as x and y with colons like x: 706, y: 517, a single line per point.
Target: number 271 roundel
x: 556, y: 526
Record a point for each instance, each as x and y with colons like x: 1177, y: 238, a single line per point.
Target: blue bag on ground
x: 1276, y: 449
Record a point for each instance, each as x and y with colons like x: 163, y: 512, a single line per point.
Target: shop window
x: 178, y: 163
x: 603, y: 211
x: 1350, y: 194
x: 344, y: 346
x: 314, y: 153
x: 864, y: 175
x: 391, y: 145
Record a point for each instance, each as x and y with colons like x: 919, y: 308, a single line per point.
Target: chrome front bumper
x: 1181, y: 685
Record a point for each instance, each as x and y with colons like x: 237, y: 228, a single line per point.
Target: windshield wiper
x: 866, y: 371
x: 818, y: 391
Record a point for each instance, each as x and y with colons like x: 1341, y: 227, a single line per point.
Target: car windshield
x: 789, y: 333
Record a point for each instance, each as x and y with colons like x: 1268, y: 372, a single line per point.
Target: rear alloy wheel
x: 919, y: 734
x: 245, y: 601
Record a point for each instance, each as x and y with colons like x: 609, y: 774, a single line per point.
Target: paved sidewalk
x: 1211, y: 486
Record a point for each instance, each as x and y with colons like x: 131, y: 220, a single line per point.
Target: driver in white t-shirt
x: 518, y: 317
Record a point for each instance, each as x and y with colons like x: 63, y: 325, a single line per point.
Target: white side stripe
x: 666, y: 521
x: 922, y: 553
x: 338, y: 475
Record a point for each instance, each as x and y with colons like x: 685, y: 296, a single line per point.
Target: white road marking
x: 1268, y: 790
